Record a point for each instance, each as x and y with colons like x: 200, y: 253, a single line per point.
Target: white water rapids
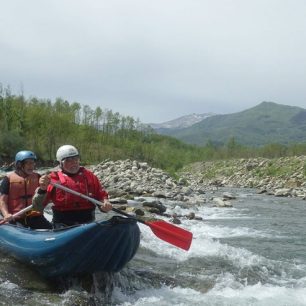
x: 251, y: 254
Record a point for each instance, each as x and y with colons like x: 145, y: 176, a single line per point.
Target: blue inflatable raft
x: 100, y: 246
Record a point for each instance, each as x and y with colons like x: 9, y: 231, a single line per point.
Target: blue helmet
x: 22, y: 155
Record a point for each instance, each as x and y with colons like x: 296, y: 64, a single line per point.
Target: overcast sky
x: 156, y: 60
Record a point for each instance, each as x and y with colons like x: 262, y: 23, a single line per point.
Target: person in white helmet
x: 69, y: 209
x: 17, y: 190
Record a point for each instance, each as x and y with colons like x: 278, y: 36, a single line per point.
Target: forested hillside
x: 42, y: 125
x: 263, y: 124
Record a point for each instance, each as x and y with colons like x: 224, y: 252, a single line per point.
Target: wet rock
x: 159, y: 194
x: 139, y: 212
x: 157, y: 205
x: 175, y: 219
x: 118, y: 201
x: 261, y: 191
x: 191, y: 216
x: 153, y: 210
x: 283, y: 192
x: 228, y: 196
x: 221, y: 202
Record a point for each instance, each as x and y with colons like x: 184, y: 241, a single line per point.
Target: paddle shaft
x: 163, y: 230
x: 81, y: 195
x: 19, y: 213
x: 92, y: 200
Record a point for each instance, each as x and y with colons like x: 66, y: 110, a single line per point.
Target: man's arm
x: 4, y: 192
x: 102, y: 196
x: 4, y: 207
x: 39, y: 198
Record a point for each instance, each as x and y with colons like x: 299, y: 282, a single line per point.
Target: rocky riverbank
x: 284, y: 176
x: 197, y: 182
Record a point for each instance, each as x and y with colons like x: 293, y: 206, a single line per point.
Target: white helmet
x: 66, y: 151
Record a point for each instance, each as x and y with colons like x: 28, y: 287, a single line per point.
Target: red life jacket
x: 21, y: 191
x: 84, y: 182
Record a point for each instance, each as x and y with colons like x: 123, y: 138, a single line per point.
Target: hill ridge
x: 267, y: 122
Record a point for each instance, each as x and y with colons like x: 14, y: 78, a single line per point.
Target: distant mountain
x: 181, y: 122
x: 265, y: 123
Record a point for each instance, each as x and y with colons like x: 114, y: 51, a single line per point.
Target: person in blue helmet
x: 17, y: 190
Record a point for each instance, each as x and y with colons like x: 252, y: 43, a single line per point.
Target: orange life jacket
x: 21, y: 191
x: 84, y: 182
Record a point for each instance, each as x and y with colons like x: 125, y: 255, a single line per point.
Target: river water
x: 251, y: 254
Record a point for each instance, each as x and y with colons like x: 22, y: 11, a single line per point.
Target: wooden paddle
x: 168, y: 232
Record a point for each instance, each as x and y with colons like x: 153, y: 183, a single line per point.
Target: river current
x: 251, y: 254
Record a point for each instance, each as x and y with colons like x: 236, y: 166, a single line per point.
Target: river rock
x: 221, y: 202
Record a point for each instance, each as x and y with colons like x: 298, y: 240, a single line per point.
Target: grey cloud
x: 156, y: 60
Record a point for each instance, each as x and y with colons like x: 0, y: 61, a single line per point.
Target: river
x: 250, y: 254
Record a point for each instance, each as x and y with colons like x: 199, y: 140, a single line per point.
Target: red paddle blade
x: 171, y: 233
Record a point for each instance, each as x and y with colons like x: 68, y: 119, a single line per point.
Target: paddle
x: 19, y: 213
x: 163, y: 230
